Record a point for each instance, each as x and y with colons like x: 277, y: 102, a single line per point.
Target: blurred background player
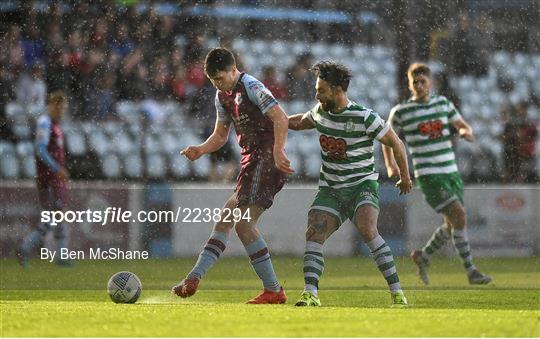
x: 425, y: 120
x: 348, y: 187
x: 261, y: 130
x: 51, y: 175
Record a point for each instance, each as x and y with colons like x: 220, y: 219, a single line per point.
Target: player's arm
x: 399, y: 156
x: 215, y: 141
x: 43, y: 133
x: 281, y: 127
x: 464, y: 129
x: 389, y: 160
x: 300, y: 122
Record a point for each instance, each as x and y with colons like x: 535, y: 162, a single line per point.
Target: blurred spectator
x: 467, y: 57
x: 6, y: 95
x: 31, y: 90
x: 179, y: 84
x: 33, y: 46
x: 519, y: 145
x: 11, y: 42
x: 122, y: 44
x: 160, y: 80
x: 300, y: 80
x: 271, y: 82
x: 101, y: 98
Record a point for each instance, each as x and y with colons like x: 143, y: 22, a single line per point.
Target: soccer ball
x: 124, y: 287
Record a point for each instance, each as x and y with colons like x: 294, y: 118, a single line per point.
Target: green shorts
x: 440, y: 190
x: 343, y: 202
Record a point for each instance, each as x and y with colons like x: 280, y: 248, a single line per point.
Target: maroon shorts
x: 258, y: 182
x: 52, y: 193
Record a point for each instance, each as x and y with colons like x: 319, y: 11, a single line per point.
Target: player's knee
x: 242, y: 227
x: 368, y: 232
x: 315, y: 235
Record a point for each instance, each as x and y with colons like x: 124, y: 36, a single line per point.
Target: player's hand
x: 404, y: 185
x: 393, y: 171
x: 192, y: 152
x: 466, y: 134
x: 63, y: 174
x: 282, y: 162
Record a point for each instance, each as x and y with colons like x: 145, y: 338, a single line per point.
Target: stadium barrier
x: 503, y: 220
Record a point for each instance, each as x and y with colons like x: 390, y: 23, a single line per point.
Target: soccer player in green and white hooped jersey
x: 348, y: 187
x: 425, y: 121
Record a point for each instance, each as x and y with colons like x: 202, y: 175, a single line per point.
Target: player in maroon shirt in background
x: 51, y: 176
x: 261, y: 129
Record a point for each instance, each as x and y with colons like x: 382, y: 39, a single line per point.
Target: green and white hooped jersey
x: 346, y: 140
x: 427, y: 133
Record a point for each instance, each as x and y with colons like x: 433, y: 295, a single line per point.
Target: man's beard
x: 328, y: 105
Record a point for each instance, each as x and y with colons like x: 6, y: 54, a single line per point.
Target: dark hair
x: 418, y: 68
x: 333, y: 73
x: 218, y: 59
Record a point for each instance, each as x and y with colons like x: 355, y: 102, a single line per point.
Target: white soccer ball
x: 124, y: 287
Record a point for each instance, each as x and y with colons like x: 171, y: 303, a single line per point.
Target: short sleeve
x: 453, y: 113
x: 376, y: 127
x: 310, y: 115
x: 259, y: 94
x: 221, y: 113
x: 393, y: 118
x: 43, y: 130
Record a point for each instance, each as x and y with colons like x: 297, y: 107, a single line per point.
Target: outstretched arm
x: 279, y: 118
x: 300, y: 121
x: 464, y: 129
x: 214, y: 142
x: 396, y: 146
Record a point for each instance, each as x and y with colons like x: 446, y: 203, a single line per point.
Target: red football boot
x: 269, y: 297
x: 186, y: 288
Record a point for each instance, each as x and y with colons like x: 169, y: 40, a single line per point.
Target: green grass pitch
x: 50, y: 301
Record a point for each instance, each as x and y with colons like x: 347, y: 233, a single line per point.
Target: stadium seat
x: 99, y: 143
x: 133, y: 166
x: 179, y: 166
x: 21, y: 127
x: 25, y: 148
x: 75, y: 143
x: 6, y: 148
x: 111, y: 166
x: 9, y: 166
x: 28, y: 166
x: 13, y: 109
x: 201, y: 167
x: 156, y: 166
x: 312, y: 165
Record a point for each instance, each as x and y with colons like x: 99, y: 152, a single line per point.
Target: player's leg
x: 210, y: 254
x: 422, y: 257
x: 365, y: 220
x: 321, y: 225
x: 35, y: 237
x: 259, y: 256
x: 38, y: 234
x: 438, y: 239
x: 456, y: 216
x: 439, y: 193
x: 60, y: 231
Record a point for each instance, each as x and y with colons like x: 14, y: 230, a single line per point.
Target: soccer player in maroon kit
x: 261, y: 129
x: 51, y: 175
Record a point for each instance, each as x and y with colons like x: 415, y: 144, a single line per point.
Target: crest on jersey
x: 238, y: 99
x: 349, y: 126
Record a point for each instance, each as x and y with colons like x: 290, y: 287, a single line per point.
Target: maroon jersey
x: 50, y: 156
x: 246, y: 106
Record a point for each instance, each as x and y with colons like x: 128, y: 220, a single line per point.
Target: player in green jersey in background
x: 348, y: 187
x: 425, y: 120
